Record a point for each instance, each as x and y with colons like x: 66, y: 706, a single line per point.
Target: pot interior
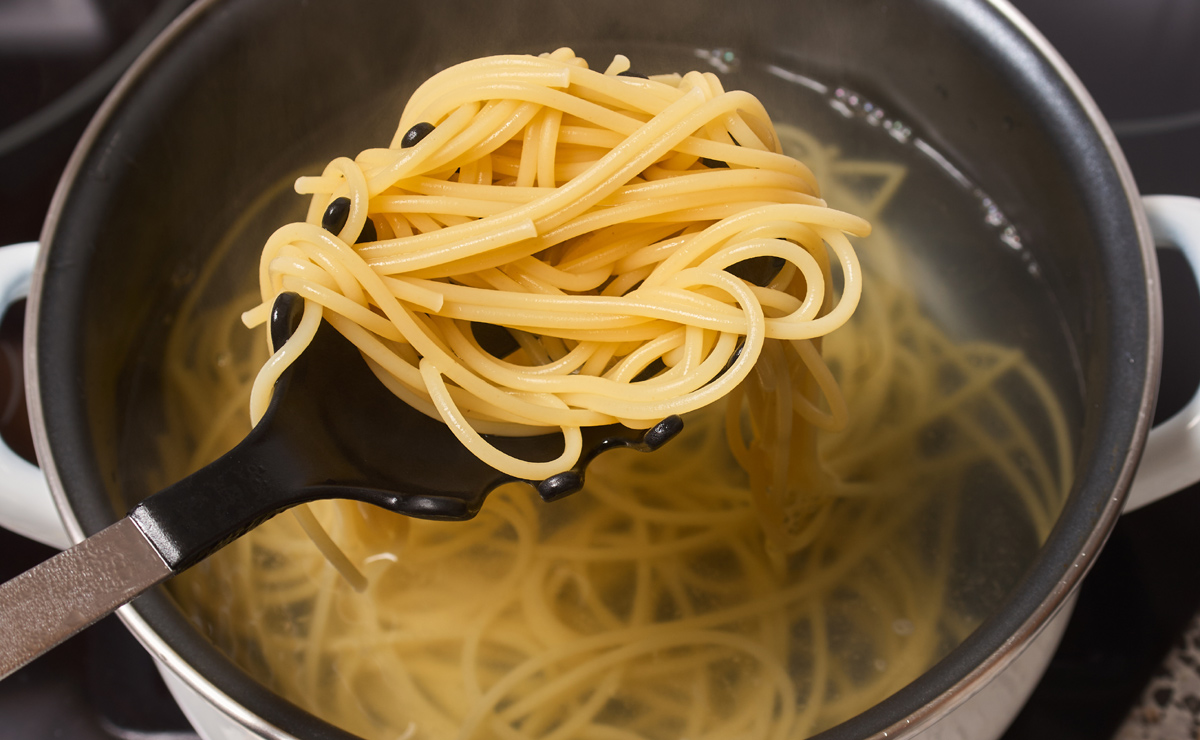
x: 1001, y: 218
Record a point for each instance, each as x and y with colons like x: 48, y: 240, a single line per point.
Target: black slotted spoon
x: 332, y: 430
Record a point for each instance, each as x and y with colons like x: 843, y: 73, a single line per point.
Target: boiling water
x: 649, y: 605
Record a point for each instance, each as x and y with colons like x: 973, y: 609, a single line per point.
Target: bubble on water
x: 725, y: 60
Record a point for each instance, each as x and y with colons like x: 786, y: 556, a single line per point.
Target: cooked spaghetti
x: 662, y: 601
x: 599, y: 219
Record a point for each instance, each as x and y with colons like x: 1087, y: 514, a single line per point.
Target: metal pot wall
x: 236, y: 95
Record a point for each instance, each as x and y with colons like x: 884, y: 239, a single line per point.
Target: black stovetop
x: 1139, y: 58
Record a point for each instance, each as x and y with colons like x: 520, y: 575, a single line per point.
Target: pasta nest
x: 593, y: 217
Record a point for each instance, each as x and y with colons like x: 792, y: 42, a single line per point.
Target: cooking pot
x: 236, y: 96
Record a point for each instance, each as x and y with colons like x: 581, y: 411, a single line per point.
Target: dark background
x: 1139, y: 58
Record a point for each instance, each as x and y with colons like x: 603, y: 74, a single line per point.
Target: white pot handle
x: 1171, y: 460
x: 26, y: 506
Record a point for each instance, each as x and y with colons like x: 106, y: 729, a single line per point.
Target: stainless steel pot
x: 236, y: 95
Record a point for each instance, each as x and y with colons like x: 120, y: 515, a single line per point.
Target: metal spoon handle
x: 48, y: 603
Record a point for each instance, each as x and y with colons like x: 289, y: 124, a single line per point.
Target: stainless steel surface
x: 50, y: 602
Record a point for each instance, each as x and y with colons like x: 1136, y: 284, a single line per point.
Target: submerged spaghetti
x: 665, y: 600
x: 599, y: 219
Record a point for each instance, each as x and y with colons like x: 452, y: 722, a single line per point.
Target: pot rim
x: 972, y: 683
x: 929, y: 709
